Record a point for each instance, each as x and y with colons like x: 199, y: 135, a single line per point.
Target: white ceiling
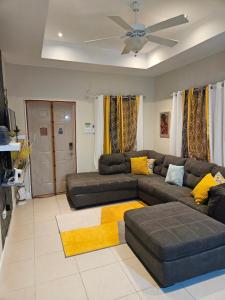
x: 29, y: 28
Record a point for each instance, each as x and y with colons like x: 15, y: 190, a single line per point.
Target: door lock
x: 70, y: 146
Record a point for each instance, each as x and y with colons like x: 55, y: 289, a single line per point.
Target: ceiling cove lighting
x: 60, y: 34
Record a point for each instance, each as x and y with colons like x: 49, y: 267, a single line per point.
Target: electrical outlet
x: 4, y: 214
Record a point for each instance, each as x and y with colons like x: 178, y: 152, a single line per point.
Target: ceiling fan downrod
x: 135, y: 6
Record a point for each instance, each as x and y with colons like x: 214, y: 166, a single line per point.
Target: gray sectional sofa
x: 174, y: 238
x: 114, y: 182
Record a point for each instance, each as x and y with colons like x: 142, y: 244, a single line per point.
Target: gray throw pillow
x: 175, y: 175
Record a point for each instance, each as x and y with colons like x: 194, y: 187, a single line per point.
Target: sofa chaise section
x: 87, y: 189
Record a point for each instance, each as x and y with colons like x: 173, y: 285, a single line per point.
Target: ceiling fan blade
x: 102, y: 39
x: 128, y: 46
x: 161, y: 41
x: 126, y: 49
x: 181, y: 19
x: 119, y: 21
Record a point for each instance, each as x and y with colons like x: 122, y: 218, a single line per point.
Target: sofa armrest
x: 216, y: 203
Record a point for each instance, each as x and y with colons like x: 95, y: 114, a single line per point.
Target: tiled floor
x: 34, y: 266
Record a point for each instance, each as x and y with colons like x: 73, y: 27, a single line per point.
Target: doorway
x: 52, y: 134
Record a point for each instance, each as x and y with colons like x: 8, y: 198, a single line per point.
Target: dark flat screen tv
x: 12, y: 120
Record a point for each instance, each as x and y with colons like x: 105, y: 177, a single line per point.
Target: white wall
x: 203, y: 72
x: 27, y: 82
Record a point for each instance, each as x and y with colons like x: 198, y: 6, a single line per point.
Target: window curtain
x: 176, y: 124
x: 99, y: 124
x: 217, y: 123
x: 184, y: 147
x: 120, y: 123
x: 197, y: 124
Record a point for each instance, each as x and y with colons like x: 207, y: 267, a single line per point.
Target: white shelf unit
x: 10, y: 147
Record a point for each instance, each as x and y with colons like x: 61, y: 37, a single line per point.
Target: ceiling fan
x: 137, y: 35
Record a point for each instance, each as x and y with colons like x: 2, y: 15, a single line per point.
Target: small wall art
x: 165, y: 124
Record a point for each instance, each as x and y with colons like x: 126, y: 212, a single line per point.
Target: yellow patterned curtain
x: 120, y: 123
x: 107, y: 139
x: 197, y: 124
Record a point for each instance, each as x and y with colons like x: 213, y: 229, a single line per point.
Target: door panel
x: 40, y: 136
x: 64, y: 142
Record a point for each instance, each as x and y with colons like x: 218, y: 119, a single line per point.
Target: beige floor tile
x: 18, y: 251
x: 47, y: 244
x: 54, y: 265
x: 63, y: 205
x: 21, y: 232
x: 158, y: 294
x: 207, y: 287
x: 46, y: 228
x: 95, y: 259
x: 17, y: 275
x: 20, y: 219
x: 137, y: 274
x: 22, y: 294
x: 23, y: 214
x: 131, y: 297
x: 67, y: 288
x: 45, y: 208
x: 122, y: 252
x: 107, y: 283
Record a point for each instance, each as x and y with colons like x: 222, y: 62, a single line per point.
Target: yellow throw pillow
x: 139, y: 165
x: 200, y: 192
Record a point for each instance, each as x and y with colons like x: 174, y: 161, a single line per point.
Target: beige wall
x: 25, y: 82
x: 209, y: 70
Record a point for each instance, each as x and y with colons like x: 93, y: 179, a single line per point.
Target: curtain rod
x: 126, y: 96
x: 198, y: 88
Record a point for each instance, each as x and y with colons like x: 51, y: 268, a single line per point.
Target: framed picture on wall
x: 165, y: 124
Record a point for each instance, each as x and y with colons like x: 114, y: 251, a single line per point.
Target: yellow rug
x: 110, y: 232
x: 115, y: 213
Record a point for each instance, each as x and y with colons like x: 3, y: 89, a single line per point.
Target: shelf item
x: 12, y: 185
x: 10, y: 147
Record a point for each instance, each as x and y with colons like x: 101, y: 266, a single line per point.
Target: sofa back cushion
x: 131, y: 154
x: 217, y: 169
x: 159, y: 158
x: 195, y: 170
x: 173, y: 160
x: 113, y: 164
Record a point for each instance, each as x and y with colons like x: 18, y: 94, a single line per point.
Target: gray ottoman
x: 175, y: 242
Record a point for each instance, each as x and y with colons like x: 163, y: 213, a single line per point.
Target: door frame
x: 53, y: 141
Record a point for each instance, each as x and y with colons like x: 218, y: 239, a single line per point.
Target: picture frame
x: 165, y: 124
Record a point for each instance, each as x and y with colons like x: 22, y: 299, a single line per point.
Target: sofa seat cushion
x: 173, y: 230
x: 189, y: 201
x: 156, y: 186
x: 84, y: 183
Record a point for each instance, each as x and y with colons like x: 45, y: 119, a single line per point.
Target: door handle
x: 70, y: 146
